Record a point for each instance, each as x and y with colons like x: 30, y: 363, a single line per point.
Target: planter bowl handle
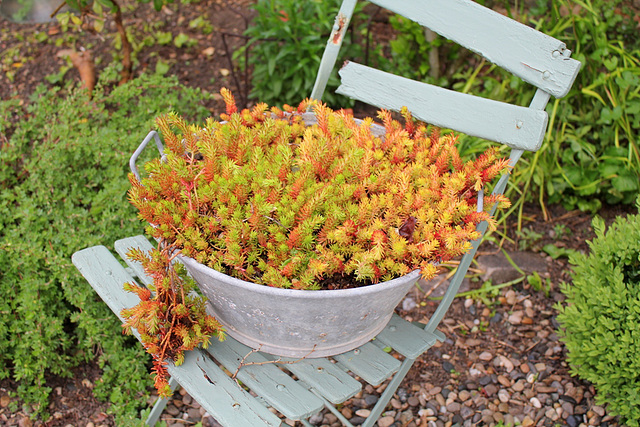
x: 141, y: 147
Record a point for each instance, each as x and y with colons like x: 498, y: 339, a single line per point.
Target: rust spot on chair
x: 338, y: 29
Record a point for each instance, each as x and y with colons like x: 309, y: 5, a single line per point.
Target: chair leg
x: 388, y: 392
x: 160, y: 404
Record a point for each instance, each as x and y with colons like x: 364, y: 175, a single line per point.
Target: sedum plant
x: 173, y: 320
x: 267, y: 198
x: 600, y: 320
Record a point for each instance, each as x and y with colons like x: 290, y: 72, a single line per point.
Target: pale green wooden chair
x: 300, y: 390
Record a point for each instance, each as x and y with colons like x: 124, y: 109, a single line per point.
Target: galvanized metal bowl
x: 299, y: 323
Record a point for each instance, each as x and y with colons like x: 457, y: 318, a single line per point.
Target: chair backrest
x: 527, y: 53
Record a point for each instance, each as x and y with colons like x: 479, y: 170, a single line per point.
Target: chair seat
x: 296, y: 388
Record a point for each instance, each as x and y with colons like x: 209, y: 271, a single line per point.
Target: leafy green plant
x: 599, y: 123
x: 287, y: 38
x: 528, y: 239
x: 538, y: 284
x: 417, y: 54
x: 50, y: 318
x: 202, y: 23
x: 561, y: 230
x: 183, y: 40
x: 600, y: 319
x: 556, y: 252
x: 93, y: 13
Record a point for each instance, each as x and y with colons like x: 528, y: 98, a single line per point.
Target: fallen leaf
x: 407, y: 228
x: 224, y: 72
x: 209, y: 51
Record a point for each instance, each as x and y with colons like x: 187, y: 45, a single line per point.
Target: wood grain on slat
x: 515, y: 126
x: 531, y: 55
x: 332, y: 382
x: 220, y: 395
x: 107, y: 277
x: 266, y: 379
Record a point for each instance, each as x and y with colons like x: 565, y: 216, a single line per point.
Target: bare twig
x: 231, y: 67
x: 504, y: 344
x: 127, y: 65
x: 60, y: 6
x: 274, y: 220
x: 178, y: 420
x: 532, y: 346
x: 268, y: 362
x: 368, y: 35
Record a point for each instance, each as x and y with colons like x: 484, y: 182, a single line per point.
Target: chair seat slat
x: 107, y: 277
x: 220, y: 395
x: 369, y: 363
x: 332, y: 382
x: 266, y: 379
x: 406, y: 338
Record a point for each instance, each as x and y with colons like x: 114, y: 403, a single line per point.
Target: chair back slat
x: 512, y: 125
x: 529, y: 54
x: 332, y: 49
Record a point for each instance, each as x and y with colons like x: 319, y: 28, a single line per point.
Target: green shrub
x: 600, y: 319
x: 63, y: 184
x: 288, y: 38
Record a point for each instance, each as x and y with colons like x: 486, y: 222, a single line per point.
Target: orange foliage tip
x: 229, y: 101
x: 379, y: 237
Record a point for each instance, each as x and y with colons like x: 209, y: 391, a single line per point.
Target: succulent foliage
x: 173, y: 320
x: 266, y: 198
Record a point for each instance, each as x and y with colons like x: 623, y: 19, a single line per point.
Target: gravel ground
x: 501, y: 364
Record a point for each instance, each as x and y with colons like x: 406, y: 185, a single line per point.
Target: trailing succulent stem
x: 173, y: 320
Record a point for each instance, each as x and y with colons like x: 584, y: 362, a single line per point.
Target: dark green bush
x: 63, y: 184
x: 288, y: 38
x: 600, y: 319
